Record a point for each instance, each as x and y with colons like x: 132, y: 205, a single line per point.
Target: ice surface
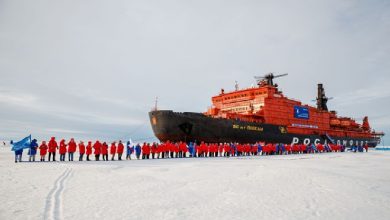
x: 319, y: 186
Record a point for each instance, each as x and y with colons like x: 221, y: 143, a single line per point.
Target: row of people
x: 167, y: 150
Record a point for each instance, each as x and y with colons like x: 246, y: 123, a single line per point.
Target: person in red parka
x: 97, y: 146
x: 71, y: 149
x: 220, y: 149
x: 206, y: 149
x: 226, y: 149
x: 62, y: 150
x: 52, y: 148
x: 153, y: 150
x: 288, y: 149
x: 105, y: 151
x: 89, y: 150
x: 239, y: 149
x: 158, y: 150
x: 113, y: 150
x: 81, y: 150
x: 120, y: 149
x: 320, y: 148
x: 184, y: 149
x: 166, y: 149
x: 43, y: 150
x: 254, y: 149
x: 145, y: 151
x: 294, y: 148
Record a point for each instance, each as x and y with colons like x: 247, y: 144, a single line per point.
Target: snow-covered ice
x: 320, y: 186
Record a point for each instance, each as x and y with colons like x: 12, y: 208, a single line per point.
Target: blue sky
x: 92, y: 69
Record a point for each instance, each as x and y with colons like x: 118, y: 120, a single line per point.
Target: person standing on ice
x: 129, y: 150
x: 143, y: 149
x: 147, y: 151
x: 43, y: 150
x: 137, y: 151
x: 18, y: 153
x: 160, y: 150
x: 113, y: 150
x: 195, y: 150
x: 259, y: 149
x: 33, y: 150
x: 89, y: 150
x: 154, y: 150
x: 105, y: 151
x: 366, y: 147
x: 191, y: 149
x: 226, y: 150
x: 53, y: 146
x: 62, y: 150
x: 182, y: 149
x: 120, y: 150
x: 81, y: 150
x: 71, y: 149
x: 97, y: 146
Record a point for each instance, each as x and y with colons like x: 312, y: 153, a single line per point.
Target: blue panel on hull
x: 301, y: 112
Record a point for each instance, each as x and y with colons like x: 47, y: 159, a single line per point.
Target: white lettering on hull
x: 316, y: 141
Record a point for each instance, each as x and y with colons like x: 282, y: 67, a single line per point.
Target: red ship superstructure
x: 267, y: 104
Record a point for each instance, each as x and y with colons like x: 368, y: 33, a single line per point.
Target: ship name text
x: 248, y: 127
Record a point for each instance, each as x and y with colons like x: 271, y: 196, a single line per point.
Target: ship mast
x: 155, y: 104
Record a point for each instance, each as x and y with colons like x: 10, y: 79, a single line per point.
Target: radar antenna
x: 268, y: 79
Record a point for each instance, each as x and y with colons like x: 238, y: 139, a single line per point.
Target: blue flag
x: 22, y: 144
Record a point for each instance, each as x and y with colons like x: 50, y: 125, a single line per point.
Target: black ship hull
x: 196, y: 127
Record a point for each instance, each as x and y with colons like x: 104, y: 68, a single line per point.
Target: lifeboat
x: 345, y: 122
x: 335, y: 122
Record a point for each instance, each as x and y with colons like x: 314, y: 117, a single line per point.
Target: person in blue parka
x: 18, y: 153
x: 32, y: 151
x: 191, y: 149
x: 138, y: 151
x: 259, y: 149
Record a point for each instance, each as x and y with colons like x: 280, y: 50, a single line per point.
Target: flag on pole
x: 131, y: 142
x: 22, y: 144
